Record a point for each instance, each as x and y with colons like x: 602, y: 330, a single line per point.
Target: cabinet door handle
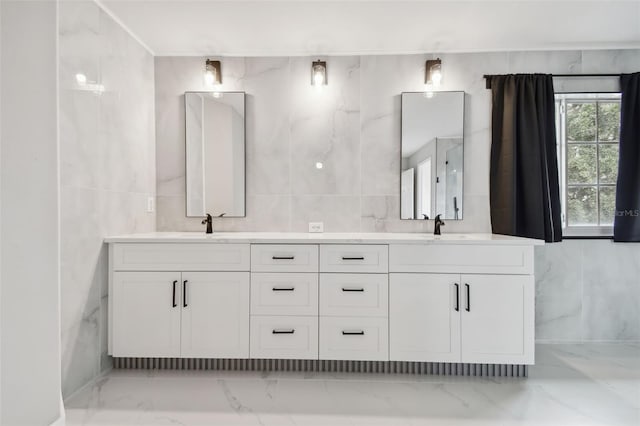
x: 283, y: 288
x: 468, y: 308
x: 184, y: 293
x: 283, y: 257
x: 352, y: 258
x: 352, y: 289
x: 352, y: 333
x: 174, y: 293
x: 457, y: 308
x: 291, y: 331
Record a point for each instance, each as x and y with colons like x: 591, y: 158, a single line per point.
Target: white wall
x: 353, y: 127
x: 29, y: 262
x: 107, y: 168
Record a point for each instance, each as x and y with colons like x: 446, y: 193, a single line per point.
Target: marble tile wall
x: 352, y: 126
x: 107, y: 172
x: 587, y: 290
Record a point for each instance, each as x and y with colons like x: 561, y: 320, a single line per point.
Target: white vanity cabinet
x: 284, y: 301
x: 424, y: 312
x: 354, y: 307
x: 497, y: 319
x: 215, y: 315
x: 445, y: 316
x: 145, y: 314
x: 158, y: 312
x: 379, y: 297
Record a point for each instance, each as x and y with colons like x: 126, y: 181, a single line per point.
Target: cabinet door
x: 215, y: 315
x: 424, y: 317
x: 498, y: 319
x: 146, y: 314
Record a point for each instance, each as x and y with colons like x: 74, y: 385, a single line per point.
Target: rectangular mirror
x: 215, y: 153
x: 432, y: 154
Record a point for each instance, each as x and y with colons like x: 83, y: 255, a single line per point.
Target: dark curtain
x: 626, y: 225
x: 524, y: 187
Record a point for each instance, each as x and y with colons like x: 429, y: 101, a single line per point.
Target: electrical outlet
x: 151, y: 204
x: 316, y: 227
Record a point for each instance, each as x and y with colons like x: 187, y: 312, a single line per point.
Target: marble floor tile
x: 588, y: 384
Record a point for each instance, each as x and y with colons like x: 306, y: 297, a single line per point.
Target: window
x: 588, y: 127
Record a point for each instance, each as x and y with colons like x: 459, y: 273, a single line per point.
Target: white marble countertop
x: 317, y: 238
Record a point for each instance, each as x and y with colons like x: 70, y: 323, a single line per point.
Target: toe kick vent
x: 380, y: 367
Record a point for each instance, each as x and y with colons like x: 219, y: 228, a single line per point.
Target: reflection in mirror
x: 215, y: 153
x: 432, y: 155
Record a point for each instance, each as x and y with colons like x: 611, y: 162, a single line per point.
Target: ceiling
x: 279, y: 28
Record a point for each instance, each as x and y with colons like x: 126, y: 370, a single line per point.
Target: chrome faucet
x: 437, y: 224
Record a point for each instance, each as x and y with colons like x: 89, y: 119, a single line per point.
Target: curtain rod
x: 488, y: 76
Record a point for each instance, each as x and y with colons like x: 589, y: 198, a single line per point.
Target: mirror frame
x: 464, y: 95
x: 184, y: 110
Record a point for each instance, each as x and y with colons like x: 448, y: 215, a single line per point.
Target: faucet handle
x: 207, y: 219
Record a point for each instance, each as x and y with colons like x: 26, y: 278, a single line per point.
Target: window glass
x: 588, y: 130
x: 581, y: 122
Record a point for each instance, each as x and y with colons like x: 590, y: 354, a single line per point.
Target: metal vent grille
x: 381, y: 367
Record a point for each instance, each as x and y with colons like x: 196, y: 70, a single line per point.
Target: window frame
x: 562, y: 145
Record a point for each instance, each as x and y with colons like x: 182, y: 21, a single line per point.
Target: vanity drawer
x: 280, y: 293
x: 362, y: 339
x: 460, y: 258
x: 284, y: 258
x: 354, y: 258
x: 180, y: 257
x: 354, y: 295
x: 284, y: 337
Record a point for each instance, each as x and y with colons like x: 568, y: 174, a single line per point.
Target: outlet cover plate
x: 315, y: 227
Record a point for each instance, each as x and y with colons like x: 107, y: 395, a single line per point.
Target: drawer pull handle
x: 457, y: 308
x: 352, y: 333
x: 468, y: 308
x: 291, y: 331
x: 184, y: 293
x: 352, y: 258
x: 283, y: 257
x: 284, y: 288
x: 352, y: 289
x: 174, y: 293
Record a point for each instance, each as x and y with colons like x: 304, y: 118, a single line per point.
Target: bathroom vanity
x: 453, y: 300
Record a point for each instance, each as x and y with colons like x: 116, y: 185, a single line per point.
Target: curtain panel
x: 524, y: 186
x: 626, y: 224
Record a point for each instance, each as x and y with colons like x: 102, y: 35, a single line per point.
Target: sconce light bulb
x: 81, y: 79
x: 209, y: 77
x: 436, y: 77
x: 318, y: 73
x: 319, y: 165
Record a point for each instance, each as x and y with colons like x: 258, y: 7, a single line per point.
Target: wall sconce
x: 319, y: 73
x: 212, y: 73
x: 433, y: 73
